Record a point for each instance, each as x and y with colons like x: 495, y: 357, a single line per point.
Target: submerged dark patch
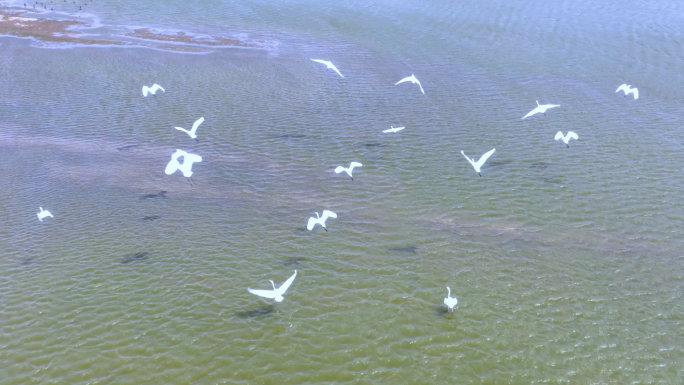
x: 407, y: 249
x: 374, y: 145
x: 127, y: 148
x: 289, y: 136
x: 135, y: 257
x: 151, y: 218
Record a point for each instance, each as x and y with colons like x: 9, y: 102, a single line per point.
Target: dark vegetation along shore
x: 15, y: 22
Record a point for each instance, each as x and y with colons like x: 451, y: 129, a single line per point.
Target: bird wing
x: 623, y: 87
x: 312, y: 222
x: 145, y: 88
x: 469, y: 160
x: 548, y: 106
x: 354, y: 164
x: 156, y: 87
x: 571, y: 134
x: 389, y: 130
x: 406, y: 79
x: 196, y: 124
x: 339, y: 169
x: 485, y: 157
x: 172, y: 167
x: 183, y: 129
x: 320, y: 61
x: 263, y: 293
x: 398, y: 129
x: 336, y: 70
x: 326, y: 214
x: 536, y: 110
x: 192, y: 158
x: 636, y: 93
x: 559, y: 135
x: 283, y: 288
x: 421, y: 87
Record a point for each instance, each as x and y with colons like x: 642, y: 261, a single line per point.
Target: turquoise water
x: 566, y: 261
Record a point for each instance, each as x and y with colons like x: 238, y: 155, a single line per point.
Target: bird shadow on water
x: 498, y: 163
x: 265, y: 310
x: 161, y: 194
x: 141, y: 256
x: 293, y: 261
x: 151, y: 218
x: 443, y: 312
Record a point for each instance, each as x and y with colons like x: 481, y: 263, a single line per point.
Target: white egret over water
x: 628, y: 90
x: 541, y: 109
x: 186, y: 167
x: 320, y: 219
x: 276, y: 294
x: 152, y: 90
x: 450, y: 302
x: 328, y: 64
x: 479, y: 163
x: 566, y: 138
x: 194, y: 128
x: 44, y: 213
x: 349, y: 169
x: 393, y: 129
x: 411, y: 79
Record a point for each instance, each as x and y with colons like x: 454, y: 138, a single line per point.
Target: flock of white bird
x: 277, y: 293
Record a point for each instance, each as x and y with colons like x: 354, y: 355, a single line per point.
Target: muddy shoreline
x: 14, y: 22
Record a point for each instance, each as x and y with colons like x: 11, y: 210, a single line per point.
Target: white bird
x: 186, y: 167
x: 392, y: 129
x: 450, y: 302
x: 479, y: 163
x: 566, y: 138
x: 152, y: 90
x: 629, y: 90
x: 541, y: 108
x: 44, y: 213
x: 194, y: 128
x: 320, y: 220
x: 276, y: 294
x: 411, y: 79
x: 339, y: 169
x: 328, y: 64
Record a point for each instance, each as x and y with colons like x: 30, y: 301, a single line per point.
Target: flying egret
x: 276, y: 294
x: 320, y: 219
x: 339, y: 169
x: 541, y: 108
x: 628, y: 90
x: 194, y: 128
x: 44, y: 213
x: 152, y: 90
x: 392, y: 129
x: 479, y: 163
x: 450, y: 302
x: 188, y: 160
x: 411, y: 79
x: 566, y: 138
x: 328, y: 64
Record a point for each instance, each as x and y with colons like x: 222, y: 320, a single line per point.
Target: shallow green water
x: 566, y: 261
